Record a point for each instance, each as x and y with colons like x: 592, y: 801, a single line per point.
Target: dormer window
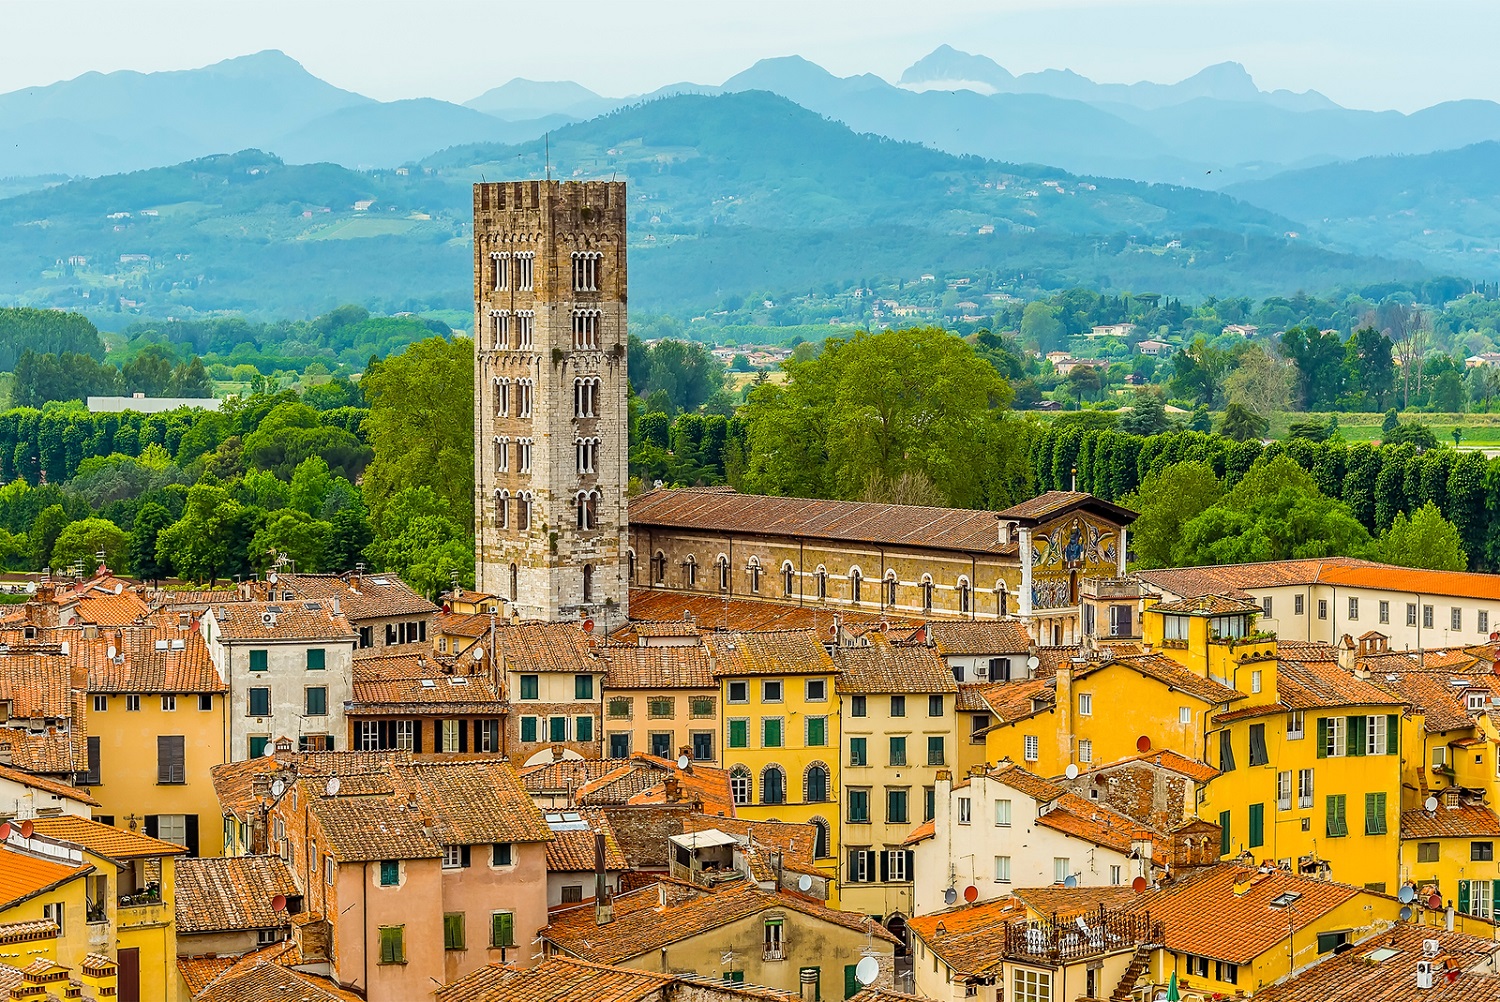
x: 1475, y: 702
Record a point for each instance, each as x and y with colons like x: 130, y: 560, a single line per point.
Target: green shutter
x: 1354, y: 735
x: 453, y: 931
x: 1392, y: 734
x: 739, y: 734
x: 816, y: 727
x: 257, y: 660
x: 1257, y: 825
x: 558, y: 728
x: 1223, y: 833
x: 1375, y: 814
x: 504, y: 929
x: 770, y: 732
x: 1322, y: 737
x: 315, y: 659
x: 851, y: 982
x: 1463, y: 896
x: 528, y: 728
x: 583, y: 729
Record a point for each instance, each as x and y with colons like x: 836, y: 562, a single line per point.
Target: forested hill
x: 731, y: 194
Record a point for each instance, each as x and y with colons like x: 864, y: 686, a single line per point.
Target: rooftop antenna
x: 547, y: 153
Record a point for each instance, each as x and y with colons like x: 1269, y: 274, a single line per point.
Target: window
x: 1062, y: 869
x: 1116, y: 875
x: 169, y: 703
x: 1322, y: 608
x: 530, y: 687
x: 817, y: 690
x: 1002, y: 813
x: 258, y: 661
x: 701, y: 706
x: 1481, y: 897
x: 1384, y: 611
x: 586, y: 271
x: 965, y: 811
x: 703, y: 745
x: 1197, y: 966
x: 898, y: 706
x: 1297, y: 605
x: 739, y: 784
x: 390, y: 872
x: 620, y: 707
x: 890, y: 588
x: 1185, y: 715
x: 317, y: 701
x: 770, y: 691
x: 1033, y: 748
x: 586, y: 330
x: 898, y: 750
x: 858, y: 754
x: 205, y: 702
x: 393, y: 944
x: 859, y: 805
x: 502, y: 929
x: 1456, y: 618
x: 861, y: 866
x: 1296, y: 724
x: 935, y: 751
x: 583, y: 687
x: 1255, y: 681
x: 1482, y: 852
x: 1427, y: 617
x: 820, y: 579
x: 1174, y: 627
x: 1377, y: 739
x: 855, y: 580
x: 739, y: 733
x: 1085, y: 704
x: 788, y: 579
x: 896, y: 812
x: 557, y: 728
x: 1304, y: 788
x: 1484, y: 621
x: 1257, y: 825
x: 101, y: 704
x: 1258, y: 755
x: 753, y: 568
x: 1284, y: 790
x: 770, y: 732
x: 817, y: 732
x: 501, y: 854
x: 1085, y: 750
x: 1002, y: 869
x: 1411, y: 614
x: 453, y: 856
x: 258, y: 744
x: 1375, y: 814
x: 317, y: 659
x: 1337, y: 823
x: 406, y: 735
x: 1030, y: 986
x: 260, y: 702
x: 659, y: 707
x: 1353, y: 607
x: 500, y: 264
x: 772, y: 785
x: 1228, y: 973
x: 661, y: 744
x: 330, y: 869
x: 739, y: 692
x: 895, y: 865
x: 529, y: 728
x: 1265, y: 606
x: 857, y: 706
x: 978, y: 724
x: 453, y: 930
x: 170, y: 766
x: 619, y: 744
x: 926, y: 593
x: 1427, y: 852
x: 1226, y: 751
x: 1334, y: 741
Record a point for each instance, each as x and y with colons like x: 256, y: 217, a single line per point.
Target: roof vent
x: 178, y: 645
x: 161, y: 645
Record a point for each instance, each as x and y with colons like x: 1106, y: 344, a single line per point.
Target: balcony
x: 1066, y: 940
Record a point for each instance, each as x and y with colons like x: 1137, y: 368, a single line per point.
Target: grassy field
x: 1477, y: 429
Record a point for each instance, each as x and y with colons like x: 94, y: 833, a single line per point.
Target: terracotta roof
x: 992, y: 637
x: 31, y: 931
x: 546, y: 647
x: 970, y: 939
x: 1173, y: 675
x: 573, y: 850
x: 1450, y: 822
x: 1198, y: 772
x: 37, y: 684
x: 568, y: 774
x: 714, y: 612
x: 1052, y: 503
x: 726, y: 510
x: 659, y: 668
x: 1190, y: 582
x: 698, y: 784
x: 873, y: 994
x: 780, y: 652
x: 271, y: 982
x: 371, y: 596
x: 666, y: 628
x: 1012, y: 701
x: 887, y: 667
x: 461, y: 624
x: 924, y: 831
x: 793, y: 840
x: 1094, y: 823
x: 105, y: 840
x: 149, y: 659
x: 245, y: 622
x: 99, y: 605
x: 201, y: 972
x: 1443, y: 705
x: 1314, y: 684
x: 230, y: 895
x: 641, y: 925
x: 971, y: 698
x: 567, y: 979
x: 198, y: 972
x: 190, y: 598
x: 1060, y: 900
x: 1205, y: 605
x: 24, y: 876
x: 1387, y: 577
x: 421, y: 682
x: 1202, y: 903
x: 235, y: 782
x: 55, y: 752
x: 1367, y: 973
x: 1029, y: 783
x: 475, y: 802
x: 364, y: 828
x: 47, y: 785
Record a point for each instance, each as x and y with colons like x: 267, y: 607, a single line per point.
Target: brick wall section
x: 1152, y: 795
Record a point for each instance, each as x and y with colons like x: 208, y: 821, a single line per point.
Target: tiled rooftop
x: 716, y: 612
x: 421, y: 682
x: 151, y: 659
x: 685, y: 667
x: 105, y: 840
x: 1461, y: 821
x: 247, y: 622
x: 231, y: 895
x: 23, y: 875
x: 970, y: 939
x: 887, y: 667
x: 573, y: 850
x: 361, y: 597
x: 47, y: 785
x: 547, y: 647
x: 986, y: 637
x: 780, y: 652
x: 1383, y: 968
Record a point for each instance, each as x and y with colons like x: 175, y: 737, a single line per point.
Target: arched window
x: 630, y: 554
x: 723, y: 565
x: 926, y: 593
x: 815, y: 783
x: 588, y: 582
x: 659, y: 567
x: 854, y: 581
x: 773, y: 785
x: 586, y: 330
x: 524, y: 397
x: 502, y: 454
x: 821, y: 848
x: 963, y: 595
x: 788, y: 579
x: 502, y: 397
x: 587, y: 503
x: 515, y: 582
x: 753, y: 567
x: 690, y: 571
x: 523, y: 511
x: 739, y: 785
x: 500, y: 329
x: 890, y: 588
x: 820, y: 578
x: 1002, y: 600
x: 502, y: 509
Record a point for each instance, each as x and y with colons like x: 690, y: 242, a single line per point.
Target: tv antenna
x: 547, y: 153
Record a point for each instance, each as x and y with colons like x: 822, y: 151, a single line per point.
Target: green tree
x: 1426, y: 539
x: 149, y: 522
x: 291, y: 432
x: 1167, y: 500
x: 311, y: 482
x: 1448, y: 392
x: 13, y: 551
x: 200, y: 545
x: 417, y: 537
x: 1084, y: 383
x: 44, y: 532
x: 292, y: 534
x: 83, y: 541
x: 150, y: 371
x: 1319, y: 358
x: 1242, y: 424
x: 1040, y: 326
x: 1260, y: 383
x: 190, y: 379
x: 1147, y: 414
x: 1368, y: 363
x: 1391, y: 423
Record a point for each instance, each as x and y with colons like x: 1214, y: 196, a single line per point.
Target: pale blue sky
x: 1402, y: 54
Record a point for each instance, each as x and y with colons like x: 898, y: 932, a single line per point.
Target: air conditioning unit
x: 1431, y: 947
x: 268, y: 618
x: 1425, y: 973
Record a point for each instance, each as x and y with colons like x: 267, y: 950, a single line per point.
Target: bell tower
x: 550, y: 392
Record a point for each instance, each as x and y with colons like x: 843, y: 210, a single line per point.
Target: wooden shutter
x: 1354, y: 736
x: 170, y: 767
x: 1226, y: 751
x: 92, y: 777
x: 1463, y: 896
x: 853, y: 866
x: 150, y: 825
x: 416, y: 736
x: 1322, y: 750
x: 1223, y: 833
x: 1392, y: 734
x: 503, y: 929
x: 1257, y: 824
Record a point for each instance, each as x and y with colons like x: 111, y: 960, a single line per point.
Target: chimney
x: 673, y: 789
x: 927, y: 634
x: 1064, y: 703
x: 604, y: 908
x: 942, y: 801
x: 1347, y: 657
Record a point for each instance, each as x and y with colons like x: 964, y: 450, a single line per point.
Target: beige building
x: 661, y: 700
x: 554, y: 681
x: 550, y: 392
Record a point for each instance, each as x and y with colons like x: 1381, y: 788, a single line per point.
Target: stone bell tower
x: 550, y: 392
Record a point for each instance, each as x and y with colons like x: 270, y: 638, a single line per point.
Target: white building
x: 290, y: 671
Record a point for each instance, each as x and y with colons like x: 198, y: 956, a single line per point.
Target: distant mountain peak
x: 947, y: 65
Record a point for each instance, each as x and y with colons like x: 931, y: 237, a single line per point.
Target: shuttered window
x: 1375, y: 814
x: 91, y: 778
x: 258, y: 661
x: 1258, y: 754
x: 393, y: 944
x: 170, y: 762
x: 1338, y: 824
x: 1226, y: 752
x: 453, y: 931
x: 502, y: 929
x: 315, y: 658
x: 1257, y: 825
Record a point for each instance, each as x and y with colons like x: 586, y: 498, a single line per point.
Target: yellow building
x: 1449, y: 851
x: 662, y: 700
x: 156, y: 729
x: 899, y: 727
x: 779, y: 731
x: 130, y: 911
x: 47, y: 888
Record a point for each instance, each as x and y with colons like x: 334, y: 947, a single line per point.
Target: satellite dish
x: 27, y: 828
x: 1138, y: 885
x: 278, y: 903
x: 5, y: 831
x: 477, y: 654
x: 271, y: 577
x: 1406, y: 895
x: 270, y: 750
x: 950, y: 896
x: 119, y: 587
x: 971, y: 894
x: 1143, y: 744
x: 1406, y: 913
x: 588, y: 626
x: 31, y: 587
x: 1032, y: 662
x: 333, y: 786
x: 683, y: 761
x: 804, y: 883
x: 1430, y: 804
x: 867, y: 970
x: 1070, y: 881
x: 1435, y: 901
x: 1071, y: 771
x: 278, y: 788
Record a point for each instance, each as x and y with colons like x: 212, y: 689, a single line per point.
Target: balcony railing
x: 1090, y: 934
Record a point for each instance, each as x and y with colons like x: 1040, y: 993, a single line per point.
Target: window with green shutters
x: 1258, y: 754
x: 1257, y: 825
x: 739, y: 734
x: 393, y: 944
x: 583, y: 728
x: 258, y: 661
x: 258, y: 746
x: 857, y: 753
x: 260, y: 701
x: 1375, y: 814
x: 317, y: 701
x: 770, y: 732
x: 934, y: 750
x: 859, y: 806
x: 1338, y: 823
x: 898, y: 751
x: 1223, y: 833
x: 502, y: 929
x: 817, y: 732
x: 1355, y: 733
x: 1226, y: 751
x: 390, y: 872
x: 528, y: 728
x: 557, y: 729
x: 529, y: 687
x: 583, y: 687
x: 453, y: 930
x: 315, y: 659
